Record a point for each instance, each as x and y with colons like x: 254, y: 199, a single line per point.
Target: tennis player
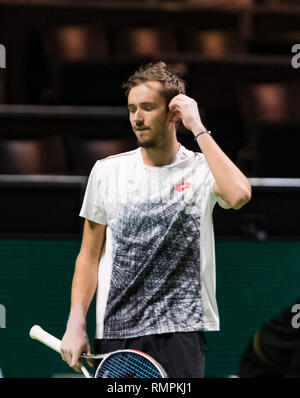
x: 148, y: 240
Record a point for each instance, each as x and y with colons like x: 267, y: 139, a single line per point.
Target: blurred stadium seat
x: 32, y: 156
x: 270, y: 113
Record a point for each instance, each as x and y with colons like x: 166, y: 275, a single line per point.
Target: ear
x: 174, y: 115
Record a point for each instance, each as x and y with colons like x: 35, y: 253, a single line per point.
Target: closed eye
x: 146, y: 106
x: 131, y: 109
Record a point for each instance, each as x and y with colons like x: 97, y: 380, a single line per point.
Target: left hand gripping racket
x: 117, y: 364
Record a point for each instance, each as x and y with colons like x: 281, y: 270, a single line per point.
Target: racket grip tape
x: 37, y: 333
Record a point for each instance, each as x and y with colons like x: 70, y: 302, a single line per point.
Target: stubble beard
x: 156, y: 141
x: 147, y: 143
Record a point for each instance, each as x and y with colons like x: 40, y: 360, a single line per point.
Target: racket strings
x: 141, y: 367
x: 131, y: 367
x: 128, y: 366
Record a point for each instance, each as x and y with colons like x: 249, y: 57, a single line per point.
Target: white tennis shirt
x: 157, y: 268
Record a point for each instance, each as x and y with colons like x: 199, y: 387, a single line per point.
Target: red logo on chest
x: 182, y: 186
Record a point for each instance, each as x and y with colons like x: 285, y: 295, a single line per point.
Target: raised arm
x: 231, y: 184
x: 84, y: 284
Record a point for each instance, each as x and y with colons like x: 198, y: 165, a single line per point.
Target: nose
x: 138, y: 117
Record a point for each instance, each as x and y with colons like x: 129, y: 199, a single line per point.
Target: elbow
x: 242, y: 198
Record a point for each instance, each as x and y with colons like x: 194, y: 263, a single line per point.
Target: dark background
x: 62, y: 108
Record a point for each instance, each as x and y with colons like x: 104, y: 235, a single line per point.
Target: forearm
x: 232, y: 184
x: 84, y: 285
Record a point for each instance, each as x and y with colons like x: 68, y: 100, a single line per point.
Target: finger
x: 65, y: 356
x: 181, y: 101
x: 179, y: 97
x: 76, y: 368
x: 74, y: 360
x: 176, y: 106
x: 175, y: 109
x: 173, y: 103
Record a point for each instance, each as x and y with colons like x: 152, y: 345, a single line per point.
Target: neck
x: 160, y: 156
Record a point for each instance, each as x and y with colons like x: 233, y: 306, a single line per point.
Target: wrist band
x: 202, y: 132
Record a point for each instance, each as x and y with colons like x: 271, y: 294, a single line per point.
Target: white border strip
x: 78, y: 179
x: 275, y: 182
x: 42, y: 178
x: 62, y: 110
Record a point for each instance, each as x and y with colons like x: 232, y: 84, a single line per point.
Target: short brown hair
x: 160, y: 72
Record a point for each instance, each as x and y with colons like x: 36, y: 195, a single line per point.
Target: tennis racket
x: 117, y: 364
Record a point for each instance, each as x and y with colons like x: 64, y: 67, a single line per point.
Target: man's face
x: 148, y: 114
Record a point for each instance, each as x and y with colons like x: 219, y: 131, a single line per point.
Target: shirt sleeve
x: 93, y: 204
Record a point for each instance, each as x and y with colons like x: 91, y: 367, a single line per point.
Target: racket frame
x: 104, y: 357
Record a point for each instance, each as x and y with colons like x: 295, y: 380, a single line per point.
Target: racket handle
x: 37, y: 333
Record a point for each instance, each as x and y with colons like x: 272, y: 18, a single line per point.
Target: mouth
x: 141, y: 128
